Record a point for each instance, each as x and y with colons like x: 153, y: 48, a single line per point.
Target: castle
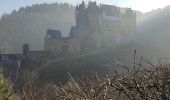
x: 97, y: 26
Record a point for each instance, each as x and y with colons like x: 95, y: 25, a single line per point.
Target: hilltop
x: 153, y: 28
x: 29, y: 25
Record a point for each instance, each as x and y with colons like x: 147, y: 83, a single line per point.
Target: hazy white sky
x: 6, y: 6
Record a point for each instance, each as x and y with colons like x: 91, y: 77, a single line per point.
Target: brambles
x: 148, y: 83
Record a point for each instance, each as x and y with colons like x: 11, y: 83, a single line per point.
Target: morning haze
x: 84, y: 49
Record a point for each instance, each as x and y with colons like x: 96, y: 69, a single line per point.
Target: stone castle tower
x: 103, y: 24
x: 87, y: 23
x: 97, y: 26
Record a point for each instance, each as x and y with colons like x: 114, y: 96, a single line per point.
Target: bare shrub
x: 140, y: 83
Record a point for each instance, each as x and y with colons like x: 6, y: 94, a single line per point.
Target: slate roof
x: 111, y: 10
x: 54, y: 34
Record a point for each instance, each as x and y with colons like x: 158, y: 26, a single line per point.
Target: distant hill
x: 29, y: 25
x: 154, y: 28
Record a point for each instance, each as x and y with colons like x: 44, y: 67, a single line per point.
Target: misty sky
x: 6, y: 6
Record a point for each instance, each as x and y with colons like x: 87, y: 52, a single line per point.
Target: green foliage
x: 5, y: 88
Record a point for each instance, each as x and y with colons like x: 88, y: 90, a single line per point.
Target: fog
x: 153, y: 30
x: 45, y: 42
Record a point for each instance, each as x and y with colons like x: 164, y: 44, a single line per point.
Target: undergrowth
x: 142, y: 81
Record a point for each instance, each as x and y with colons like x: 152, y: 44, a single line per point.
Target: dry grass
x: 146, y: 81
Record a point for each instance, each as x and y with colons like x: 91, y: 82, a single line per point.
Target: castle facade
x: 97, y: 26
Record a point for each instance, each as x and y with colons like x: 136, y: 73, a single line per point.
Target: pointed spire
x: 83, y: 4
x: 77, y: 6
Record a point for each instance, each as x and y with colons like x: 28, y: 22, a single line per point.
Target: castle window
x: 48, y: 36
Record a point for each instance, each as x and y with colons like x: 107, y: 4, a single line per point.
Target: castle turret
x: 26, y: 49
